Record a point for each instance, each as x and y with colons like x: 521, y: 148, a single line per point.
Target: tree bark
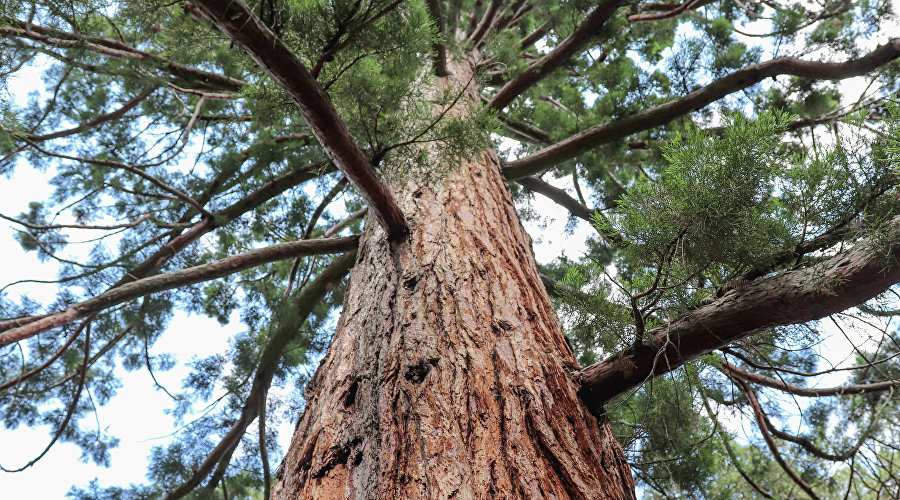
x: 448, y: 375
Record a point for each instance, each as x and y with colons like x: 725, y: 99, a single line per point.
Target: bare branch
x: 764, y: 429
x: 558, y: 195
x: 44, y: 227
x: 113, y: 115
x: 811, y: 392
x: 484, y: 25
x: 236, y: 20
x: 335, y: 229
x: 118, y: 49
x: 535, y: 35
x: 664, y: 113
x: 668, y: 11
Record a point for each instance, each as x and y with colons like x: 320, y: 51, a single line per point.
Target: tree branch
x: 287, y: 323
x: 847, y: 279
x: 113, y: 115
x: 484, y: 25
x: 118, y: 49
x: 552, y: 60
x: 179, y: 242
x: 236, y: 20
x: 439, y: 46
x: 764, y: 429
x: 811, y: 392
x: 560, y: 196
x: 668, y: 11
x: 664, y: 113
x: 177, y: 279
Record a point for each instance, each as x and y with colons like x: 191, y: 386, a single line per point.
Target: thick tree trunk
x: 448, y: 375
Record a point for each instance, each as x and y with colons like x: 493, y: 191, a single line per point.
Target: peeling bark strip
x: 448, y: 376
x: 664, y: 113
x: 236, y: 20
x: 177, y: 279
x: 843, y: 281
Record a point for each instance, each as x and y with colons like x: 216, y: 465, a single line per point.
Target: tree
x: 214, y: 144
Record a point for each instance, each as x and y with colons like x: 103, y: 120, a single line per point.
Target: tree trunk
x: 448, y: 375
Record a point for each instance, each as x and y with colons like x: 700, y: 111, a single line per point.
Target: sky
x: 135, y: 415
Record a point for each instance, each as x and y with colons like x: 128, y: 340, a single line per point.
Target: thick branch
x: 177, y: 279
x: 842, y: 281
x: 484, y: 25
x: 439, y: 47
x: 533, y: 37
x: 664, y: 113
x: 236, y: 20
x: 525, y: 132
x: 552, y: 60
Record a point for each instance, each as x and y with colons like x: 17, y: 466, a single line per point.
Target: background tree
x: 213, y: 151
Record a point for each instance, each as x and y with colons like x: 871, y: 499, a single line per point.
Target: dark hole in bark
x: 416, y: 373
x: 350, y: 396
x: 410, y: 283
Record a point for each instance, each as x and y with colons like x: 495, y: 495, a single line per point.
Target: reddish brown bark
x: 448, y: 376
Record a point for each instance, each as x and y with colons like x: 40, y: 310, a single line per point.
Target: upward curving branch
x: 847, y: 279
x: 287, y: 322
x: 664, y: 113
x: 235, y: 19
x: 552, y: 60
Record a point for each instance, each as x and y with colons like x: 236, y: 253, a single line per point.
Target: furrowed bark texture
x: 448, y: 376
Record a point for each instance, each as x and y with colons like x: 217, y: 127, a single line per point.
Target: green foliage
x: 713, y: 202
